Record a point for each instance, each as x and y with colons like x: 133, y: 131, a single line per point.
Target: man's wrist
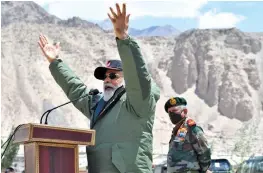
x: 123, y: 36
x: 52, y: 59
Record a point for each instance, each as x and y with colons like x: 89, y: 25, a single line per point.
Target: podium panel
x: 49, y: 149
x: 51, y: 158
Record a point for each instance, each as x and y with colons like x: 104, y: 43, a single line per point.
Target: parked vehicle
x: 217, y: 166
x: 220, y: 166
x: 252, y: 165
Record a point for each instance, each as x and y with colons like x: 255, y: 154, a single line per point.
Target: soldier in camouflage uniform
x: 188, y: 148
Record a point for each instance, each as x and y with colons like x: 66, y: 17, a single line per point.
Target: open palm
x: 120, y: 21
x: 50, y: 51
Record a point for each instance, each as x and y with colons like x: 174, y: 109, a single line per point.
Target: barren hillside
x: 219, y: 72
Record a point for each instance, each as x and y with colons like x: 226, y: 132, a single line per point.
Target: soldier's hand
x: 209, y: 171
x: 120, y: 21
x: 49, y: 50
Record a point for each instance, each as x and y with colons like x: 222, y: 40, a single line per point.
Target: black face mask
x: 175, y: 118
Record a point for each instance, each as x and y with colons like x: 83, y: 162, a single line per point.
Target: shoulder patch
x: 191, y: 122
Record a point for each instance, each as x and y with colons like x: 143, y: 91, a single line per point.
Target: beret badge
x: 172, y: 101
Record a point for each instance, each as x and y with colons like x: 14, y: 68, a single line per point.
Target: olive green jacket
x: 124, y: 132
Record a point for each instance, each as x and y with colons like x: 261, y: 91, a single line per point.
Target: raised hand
x: 50, y: 51
x: 120, y: 21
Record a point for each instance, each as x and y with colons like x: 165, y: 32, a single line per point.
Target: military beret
x: 175, y: 101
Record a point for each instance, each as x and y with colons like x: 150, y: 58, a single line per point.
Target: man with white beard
x: 112, y: 76
x: 113, y: 70
x: 123, y: 117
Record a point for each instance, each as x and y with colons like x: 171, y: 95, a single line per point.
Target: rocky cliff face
x: 221, y: 64
x: 219, y: 72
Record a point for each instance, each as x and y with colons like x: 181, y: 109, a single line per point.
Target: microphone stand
x: 48, y: 111
x: 92, y: 92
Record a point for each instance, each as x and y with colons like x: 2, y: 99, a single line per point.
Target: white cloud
x: 212, y: 19
x: 97, y: 10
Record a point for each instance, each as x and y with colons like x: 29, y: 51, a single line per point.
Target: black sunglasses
x: 111, y: 76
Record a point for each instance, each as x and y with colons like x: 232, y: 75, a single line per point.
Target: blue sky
x: 182, y: 14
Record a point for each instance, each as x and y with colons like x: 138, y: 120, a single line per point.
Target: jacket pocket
x: 117, y: 159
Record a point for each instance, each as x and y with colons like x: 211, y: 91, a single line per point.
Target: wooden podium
x: 49, y: 149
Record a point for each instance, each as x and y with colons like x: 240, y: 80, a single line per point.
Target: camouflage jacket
x: 188, y: 149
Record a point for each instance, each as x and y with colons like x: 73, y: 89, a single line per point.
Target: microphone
x: 92, y: 92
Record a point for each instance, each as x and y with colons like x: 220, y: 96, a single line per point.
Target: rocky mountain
x: 166, y: 30
x: 105, y: 24
x: 219, y: 72
x: 30, y: 12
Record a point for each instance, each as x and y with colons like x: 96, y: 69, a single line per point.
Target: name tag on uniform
x: 179, y: 139
x: 176, y: 139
